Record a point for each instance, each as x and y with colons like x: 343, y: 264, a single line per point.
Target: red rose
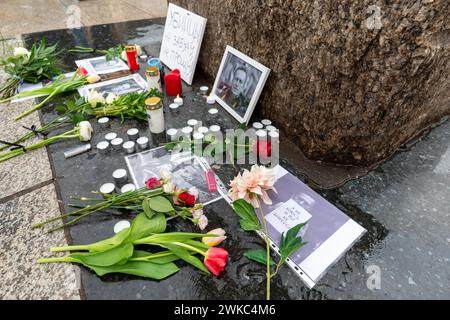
x: 262, y: 148
x: 216, y: 260
x: 187, y: 198
x: 152, y: 183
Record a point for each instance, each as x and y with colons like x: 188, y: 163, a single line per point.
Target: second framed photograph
x: 239, y: 83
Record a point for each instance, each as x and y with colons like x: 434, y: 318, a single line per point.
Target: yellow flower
x: 214, y: 241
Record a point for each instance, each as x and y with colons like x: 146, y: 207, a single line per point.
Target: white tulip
x: 21, y: 51
x: 85, y: 130
x: 110, y: 98
x: 94, y: 98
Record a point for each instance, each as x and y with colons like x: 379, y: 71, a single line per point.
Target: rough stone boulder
x: 351, y: 81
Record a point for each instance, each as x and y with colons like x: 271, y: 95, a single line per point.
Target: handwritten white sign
x: 288, y: 215
x: 181, y: 41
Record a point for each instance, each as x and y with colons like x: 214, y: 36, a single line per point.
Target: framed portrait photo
x: 239, y: 83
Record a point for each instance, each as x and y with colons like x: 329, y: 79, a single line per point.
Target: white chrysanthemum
x: 94, y: 98
x: 110, y: 98
x: 21, y: 51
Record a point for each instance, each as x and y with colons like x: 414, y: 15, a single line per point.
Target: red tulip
x: 262, y: 148
x: 82, y: 71
x: 216, y: 260
x: 187, y: 198
x: 152, y: 183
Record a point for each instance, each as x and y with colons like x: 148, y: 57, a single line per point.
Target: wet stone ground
x: 404, y: 205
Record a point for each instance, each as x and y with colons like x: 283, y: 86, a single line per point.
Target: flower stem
x: 266, y: 239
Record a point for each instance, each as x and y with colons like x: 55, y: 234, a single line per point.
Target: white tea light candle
x: 119, y: 226
x: 103, y: 147
x: 133, y: 134
x: 116, y: 143
x: 210, y: 99
x: 107, y: 188
x: 257, y: 125
x: 129, y: 147
x: 128, y: 187
x: 178, y: 100
x: 266, y: 122
x: 111, y: 136
x: 103, y: 122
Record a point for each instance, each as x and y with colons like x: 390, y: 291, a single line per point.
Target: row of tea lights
x: 116, y: 143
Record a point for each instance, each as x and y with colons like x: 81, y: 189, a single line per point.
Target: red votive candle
x: 132, y: 58
x: 172, y: 82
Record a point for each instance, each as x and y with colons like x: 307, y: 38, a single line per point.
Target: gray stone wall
x: 345, y: 86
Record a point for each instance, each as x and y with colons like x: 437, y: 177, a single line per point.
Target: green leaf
x: 109, y: 243
x: 186, y: 256
x: 159, y: 258
x: 290, y: 242
x: 259, y: 256
x: 105, y: 258
x: 249, y: 221
x: 142, y: 226
x: 146, y: 207
x: 139, y: 268
x: 160, y: 204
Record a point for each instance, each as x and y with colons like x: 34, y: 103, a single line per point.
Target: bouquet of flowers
x: 119, y: 254
x: 82, y: 131
x: 158, y: 196
x: 127, y: 106
x: 40, y: 63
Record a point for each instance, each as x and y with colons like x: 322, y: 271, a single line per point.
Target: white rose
x: 110, y: 98
x: 21, y: 51
x: 165, y: 174
x: 168, y: 187
x: 85, y: 130
x: 202, y: 222
x: 94, y: 98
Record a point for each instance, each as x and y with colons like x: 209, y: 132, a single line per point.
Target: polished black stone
x: 388, y: 225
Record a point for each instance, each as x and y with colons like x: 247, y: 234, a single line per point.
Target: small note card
x: 288, y: 215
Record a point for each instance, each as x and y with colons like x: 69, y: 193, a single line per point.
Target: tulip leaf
x: 146, y: 207
x: 106, y: 258
x: 249, y: 221
x: 290, y: 242
x: 142, y: 226
x: 260, y: 256
x: 160, y: 204
x: 109, y: 243
x: 159, y: 258
x: 186, y: 256
x: 139, y: 268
